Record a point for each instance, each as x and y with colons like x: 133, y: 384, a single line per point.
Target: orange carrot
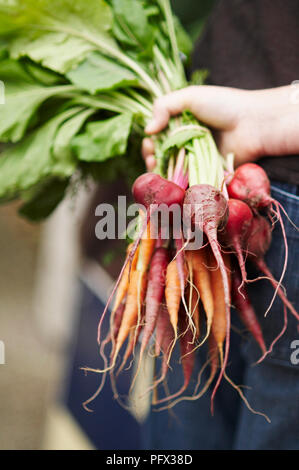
x: 124, y: 282
x: 219, y: 318
x: 202, y: 281
x: 173, y: 293
x: 133, y: 338
x: 219, y: 323
x: 193, y: 298
x: 130, y: 315
x: 147, y: 246
x: 146, y: 249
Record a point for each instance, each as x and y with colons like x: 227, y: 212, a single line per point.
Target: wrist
x: 276, y: 122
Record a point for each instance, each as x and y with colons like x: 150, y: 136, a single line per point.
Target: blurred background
x: 54, y: 280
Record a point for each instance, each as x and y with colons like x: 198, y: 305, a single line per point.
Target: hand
x: 248, y: 123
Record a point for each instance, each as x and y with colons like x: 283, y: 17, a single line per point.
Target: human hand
x: 248, y: 123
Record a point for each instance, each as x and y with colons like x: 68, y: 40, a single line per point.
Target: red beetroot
x: 187, y: 355
x: 246, y: 312
x: 208, y: 211
x: 258, y: 243
x: 164, y: 342
x: 154, y: 297
x: 237, y: 229
x: 251, y: 184
x: 148, y: 189
x: 151, y: 188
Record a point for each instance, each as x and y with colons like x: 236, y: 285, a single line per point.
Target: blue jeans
x: 273, y: 385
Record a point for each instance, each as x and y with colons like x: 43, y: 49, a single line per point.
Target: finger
x: 150, y: 162
x: 166, y: 106
x: 216, y: 106
x: 148, y: 147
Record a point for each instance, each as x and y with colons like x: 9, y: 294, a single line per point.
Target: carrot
x: 154, y: 293
x: 124, y: 282
x: 173, y: 293
x: 192, y: 297
x: 207, y: 209
x: 130, y: 315
x: 146, y: 249
x: 147, y: 246
x: 162, y: 325
x: 187, y: 355
x: 202, y: 281
x: 219, y: 323
x: 213, y: 361
x: 164, y: 341
x: 132, y: 341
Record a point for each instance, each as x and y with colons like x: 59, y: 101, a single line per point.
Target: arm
x: 249, y: 123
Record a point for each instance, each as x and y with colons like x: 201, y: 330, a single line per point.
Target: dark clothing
x: 254, y: 44
x: 273, y: 385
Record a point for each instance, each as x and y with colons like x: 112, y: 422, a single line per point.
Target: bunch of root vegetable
x: 167, y: 293
x: 80, y: 113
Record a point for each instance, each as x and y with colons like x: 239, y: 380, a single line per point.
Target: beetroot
x: 237, y: 229
x: 187, y: 355
x: 154, y: 297
x: 251, y: 184
x: 208, y: 210
x: 260, y: 237
x: 246, y: 312
x: 148, y: 189
x: 151, y: 188
x: 258, y: 243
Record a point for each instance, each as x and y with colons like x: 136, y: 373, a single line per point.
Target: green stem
x: 141, y: 99
x: 163, y: 63
x: 165, y: 5
x: 102, y: 103
x: 130, y: 103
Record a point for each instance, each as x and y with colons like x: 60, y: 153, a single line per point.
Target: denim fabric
x: 271, y: 387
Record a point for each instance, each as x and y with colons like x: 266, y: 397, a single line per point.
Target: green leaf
x: 64, y: 31
x: 98, y: 73
x: 57, y: 51
x: 181, y: 137
x: 131, y: 24
x: 30, y: 161
x: 23, y: 96
x: 44, y: 76
x: 103, y: 139
x: 62, y: 151
x: 44, y: 199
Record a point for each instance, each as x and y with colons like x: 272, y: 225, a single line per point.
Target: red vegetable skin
x: 246, y: 312
x: 187, y: 355
x: 151, y: 188
x: 237, y: 230
x: 251, y: 184
x: 208, y: 210
x: 258, y: 243
x: 154, y: 297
